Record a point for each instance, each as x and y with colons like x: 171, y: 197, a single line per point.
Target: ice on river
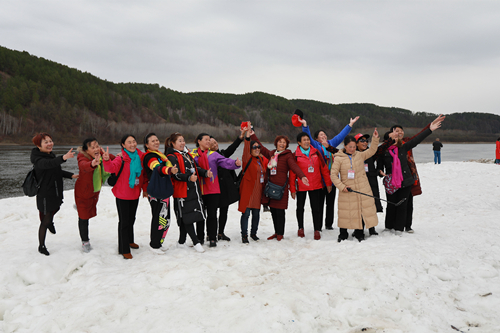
x: 446, y: 273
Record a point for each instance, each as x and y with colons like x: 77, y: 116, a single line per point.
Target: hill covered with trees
x: 37, y: 94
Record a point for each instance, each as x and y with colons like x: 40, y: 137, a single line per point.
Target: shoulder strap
x: 121, y: 168
x: 246, y: 167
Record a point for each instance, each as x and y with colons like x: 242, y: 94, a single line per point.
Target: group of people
x: 203, y: 183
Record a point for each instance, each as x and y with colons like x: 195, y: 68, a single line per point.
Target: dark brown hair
x: 279, y: 137
x: 169, y: 142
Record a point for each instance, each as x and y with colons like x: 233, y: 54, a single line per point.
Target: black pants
x: 184, y: 229
x: 278, y: 216
x: 126, y: 219
x: 409, y: 212
x: 222, y: 218
x: 160, y: 221
x: 83, y: 227
x: 210, y: 203
x: 395, y: 216
x: 330, y: 206
x: 316, y: 199
x: 45, y: 221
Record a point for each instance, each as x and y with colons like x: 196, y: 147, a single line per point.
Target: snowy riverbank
x: 446, y: 273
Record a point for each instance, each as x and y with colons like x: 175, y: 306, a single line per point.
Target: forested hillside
x: 37, y: 94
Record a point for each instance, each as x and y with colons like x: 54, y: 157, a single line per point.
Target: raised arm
x: 334, y: 142
x: 305, y: 129
x: 225, y: 163
x: 232, y: 148
x: 263, y: 150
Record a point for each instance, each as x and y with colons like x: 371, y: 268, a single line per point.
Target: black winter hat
x: 299, y: 113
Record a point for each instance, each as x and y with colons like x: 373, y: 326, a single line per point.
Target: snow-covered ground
x: 445, y: 274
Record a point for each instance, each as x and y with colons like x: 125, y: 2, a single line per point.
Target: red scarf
x: 203, y: 159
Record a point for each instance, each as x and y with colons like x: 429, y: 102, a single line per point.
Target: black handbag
x: 30, y: 184
x: 273, y: 191
x: 160, y: 187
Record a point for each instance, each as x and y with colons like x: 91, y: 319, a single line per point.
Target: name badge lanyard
x: 261, y: 172
x: 311, y: 164
x: 350, y: 173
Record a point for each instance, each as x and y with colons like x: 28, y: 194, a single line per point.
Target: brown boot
x: 127, y: 256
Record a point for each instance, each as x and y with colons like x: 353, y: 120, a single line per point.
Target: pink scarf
x: 397, y: 174
x: 273, y: 161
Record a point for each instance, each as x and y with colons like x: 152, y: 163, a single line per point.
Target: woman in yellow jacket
x: 354, y: 210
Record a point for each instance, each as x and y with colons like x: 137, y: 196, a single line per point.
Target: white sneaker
x: 199, y: 248
x: 398, y: 233
x: 410, y: 231
x: 181, y: 246
x: 86, y: 247
x: 156, y: 251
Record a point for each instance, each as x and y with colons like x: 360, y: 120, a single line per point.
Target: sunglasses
x: 363, y: 140
x: 256, y: 147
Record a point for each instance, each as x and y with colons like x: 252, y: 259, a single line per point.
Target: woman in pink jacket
x: 126, y: 190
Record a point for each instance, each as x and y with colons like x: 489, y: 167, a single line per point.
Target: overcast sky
x: 434, y: 56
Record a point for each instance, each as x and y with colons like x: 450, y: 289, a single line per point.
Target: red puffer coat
x: 317, y: 179
x: 85, y: 197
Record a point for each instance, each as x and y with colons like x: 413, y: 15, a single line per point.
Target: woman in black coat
x: 395, y: 163
x: 188, y: 203
x: 229, y: 193
x: 371, y: 170
x: 49, y: 174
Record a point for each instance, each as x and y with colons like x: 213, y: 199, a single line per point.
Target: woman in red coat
x: 251, y: 187
x: 311, y: 163
x: 88, y: 186
x: 280, y: 162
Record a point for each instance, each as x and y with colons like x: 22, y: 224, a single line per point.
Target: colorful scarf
x: 135, y: 167
x: 397, y: 173
x: 99, y: 176
x: 154, y: 162
x: 328, y: 157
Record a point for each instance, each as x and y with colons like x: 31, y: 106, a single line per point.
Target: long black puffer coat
x: 188, y: 209
x: 229, y: 193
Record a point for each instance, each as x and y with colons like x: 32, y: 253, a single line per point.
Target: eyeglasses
x: 363, y: 140
x: 256, y: 147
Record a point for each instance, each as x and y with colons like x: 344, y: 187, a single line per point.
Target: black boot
x: 359, y: 234
x: 343, y: 235
x: 373, y: 232
x: 52, y: 228
x: 244, y: 239
x: 223, y: 237
x: 254, y: 237
x: 43, y: 250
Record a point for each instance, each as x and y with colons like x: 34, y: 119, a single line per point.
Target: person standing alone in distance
x: 436, y: 146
